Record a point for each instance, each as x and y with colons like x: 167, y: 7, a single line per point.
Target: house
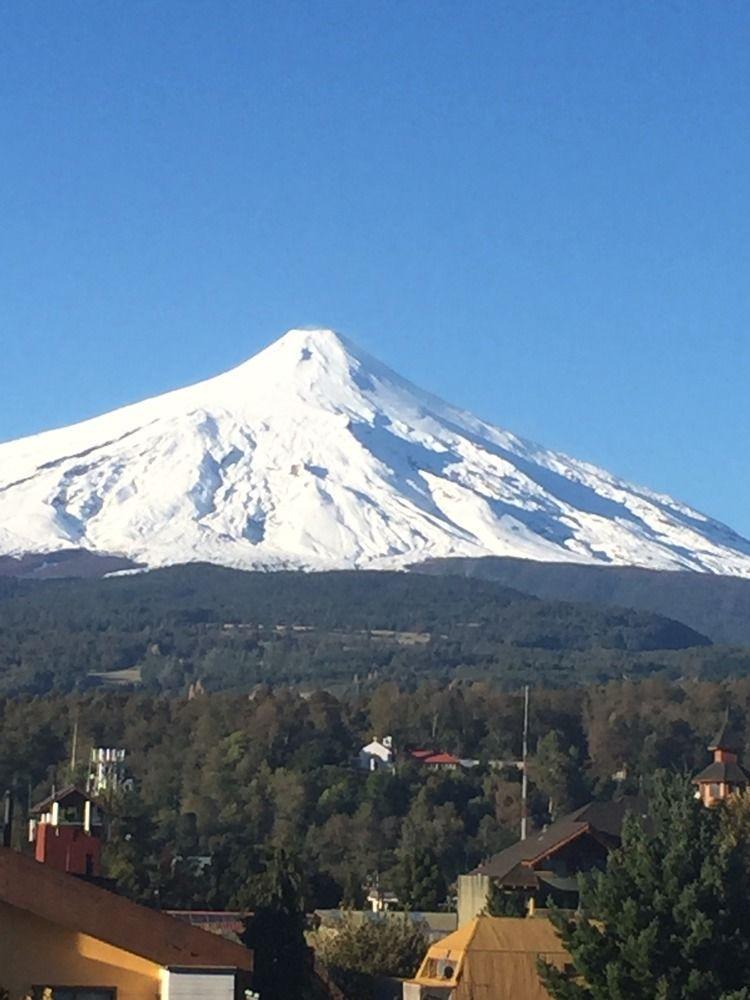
x: 488, y: 957
x: 724, y: 775
x: 62, y: 933
x: 546, y: 865
x: 378, y: 755
x: 437, y: 760
x: 67, y: 831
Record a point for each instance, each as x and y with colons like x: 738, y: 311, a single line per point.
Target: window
x: 713, y: 790
x: 440, y: 968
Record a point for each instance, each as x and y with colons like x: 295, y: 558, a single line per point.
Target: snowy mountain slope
x: 312, y: 454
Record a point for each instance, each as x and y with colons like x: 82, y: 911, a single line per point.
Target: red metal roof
x: 440, y: 758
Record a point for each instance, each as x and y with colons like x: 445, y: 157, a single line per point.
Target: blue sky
x: 538, y: 210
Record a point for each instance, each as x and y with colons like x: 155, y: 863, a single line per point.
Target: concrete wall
x: 35, y: 952
x: 472, y: 896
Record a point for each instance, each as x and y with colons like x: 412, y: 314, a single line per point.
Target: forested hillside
x: 226, y: 777
x: 247, y: 696
x: 717, y: 606
x: 348, y: 630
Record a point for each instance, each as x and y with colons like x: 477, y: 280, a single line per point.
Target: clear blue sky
x: 538, y: 210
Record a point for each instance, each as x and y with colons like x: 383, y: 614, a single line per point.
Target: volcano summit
x: 314, y: 455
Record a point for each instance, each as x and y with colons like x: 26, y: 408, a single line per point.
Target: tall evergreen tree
x: 276, y: 933
x: 558, y: 774
x: 419, y: 882
x: 668, y: 919
x: 505, y: 903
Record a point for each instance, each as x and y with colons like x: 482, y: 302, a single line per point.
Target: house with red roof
x: 438, y: 760
x: 724, y: 776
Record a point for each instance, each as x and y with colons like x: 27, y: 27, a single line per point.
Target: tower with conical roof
x: 724, y: 776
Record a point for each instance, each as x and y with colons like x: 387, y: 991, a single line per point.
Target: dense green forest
x: 245, y: 698
x: 226, y: 777
x: 717, y: 606
x: 345, y: 631
x: 669, y: 915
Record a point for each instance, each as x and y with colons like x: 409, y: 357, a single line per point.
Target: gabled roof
x: 433, y: 757
x: 70, y: 792
x: 376, y: 745
x: 78, y: 906
x: 494, y: 953
x: 516, y: 934
x: 519, y: 876
x: 727, y: 771
x: 441, y: 758
x: 603, y: 820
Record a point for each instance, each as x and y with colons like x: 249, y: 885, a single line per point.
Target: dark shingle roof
x: 67, y: 794
x: 727, y: 770
x: 598, y: 818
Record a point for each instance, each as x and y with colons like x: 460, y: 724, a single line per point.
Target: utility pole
x: 524, y: 756
x: 74, y: 751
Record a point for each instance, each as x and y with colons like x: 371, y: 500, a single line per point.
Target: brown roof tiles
x: 76, y: 905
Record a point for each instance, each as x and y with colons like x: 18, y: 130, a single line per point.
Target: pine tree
x: 557, y: 772
x: 276, y: 933
x: 419, y: 882
x: 505, y: 902
x: 668, y: 919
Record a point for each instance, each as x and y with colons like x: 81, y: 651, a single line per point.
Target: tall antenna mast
x: 524, y: 756
x: 74, y: 750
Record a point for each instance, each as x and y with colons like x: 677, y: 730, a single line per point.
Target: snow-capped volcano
x: 312, y: 454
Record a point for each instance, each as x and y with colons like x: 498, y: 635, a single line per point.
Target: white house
x: 377, y: 755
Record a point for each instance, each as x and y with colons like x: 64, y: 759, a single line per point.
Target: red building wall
x: 69, y: 849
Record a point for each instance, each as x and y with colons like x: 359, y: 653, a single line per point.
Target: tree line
x: 219, y: 780
x: 348, y: 631
x: 668, y: 919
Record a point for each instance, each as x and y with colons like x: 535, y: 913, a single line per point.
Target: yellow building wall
x: 35, y: 952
